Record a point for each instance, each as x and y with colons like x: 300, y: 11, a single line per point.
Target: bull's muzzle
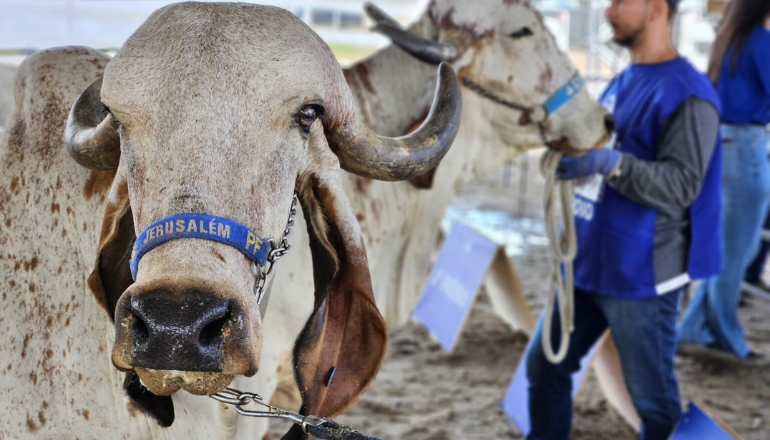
x: 165, y: 330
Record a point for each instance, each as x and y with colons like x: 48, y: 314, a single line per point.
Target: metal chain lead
x: 276, y: 251
x: 239, y: 399
x: 319, y: 427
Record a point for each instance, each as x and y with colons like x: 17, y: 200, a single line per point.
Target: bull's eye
x: 307, y: 115
x: 521, y: 33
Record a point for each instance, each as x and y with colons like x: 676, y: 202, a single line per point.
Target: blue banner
x: 695, y: 424
x: 516, y: 400
x: 452, y: 286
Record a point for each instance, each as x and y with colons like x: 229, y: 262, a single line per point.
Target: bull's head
x: 503, y: 51
x: 227, y: 110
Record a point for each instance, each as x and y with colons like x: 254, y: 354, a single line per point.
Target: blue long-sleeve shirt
x: 745, y: 93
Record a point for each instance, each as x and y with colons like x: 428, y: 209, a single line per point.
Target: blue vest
x: 616, y: 235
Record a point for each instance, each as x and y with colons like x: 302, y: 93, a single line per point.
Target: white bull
x: 504, y: 47
x: 218, y: 109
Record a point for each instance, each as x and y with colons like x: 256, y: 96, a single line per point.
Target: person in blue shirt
x: 648, y: 223
x: 740, y: 68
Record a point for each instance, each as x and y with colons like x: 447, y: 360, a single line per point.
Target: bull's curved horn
x: 377, y: 15
x: 363, y: 152
x: 420, y: 48
x: 92, y: 139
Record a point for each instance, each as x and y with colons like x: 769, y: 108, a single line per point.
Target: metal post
x: 523, y: 178
x: 336, y: 19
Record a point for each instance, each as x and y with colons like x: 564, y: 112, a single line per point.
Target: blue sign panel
x: 516, y: 400
x: 452, y: 286
x: 696, y: 425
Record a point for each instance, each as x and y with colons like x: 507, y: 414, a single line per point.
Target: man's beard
x: 630, y: 39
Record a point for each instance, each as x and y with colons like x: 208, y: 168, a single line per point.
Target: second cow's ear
x: 341, y: 348
x: 423, y: 181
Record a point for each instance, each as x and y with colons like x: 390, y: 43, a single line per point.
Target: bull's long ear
x: 111, y: 275
x: 343, y: 343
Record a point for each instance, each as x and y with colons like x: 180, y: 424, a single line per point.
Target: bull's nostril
x: 139, y: 330
x: 211, y: 334
x: 609, y: 123
x: 181, y: 332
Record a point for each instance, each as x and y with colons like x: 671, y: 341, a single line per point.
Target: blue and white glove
x: 603, y: 161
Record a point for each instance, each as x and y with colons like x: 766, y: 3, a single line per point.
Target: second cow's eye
x: 521, y: 33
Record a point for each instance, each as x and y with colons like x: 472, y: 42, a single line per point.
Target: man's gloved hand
x: 602, y: 161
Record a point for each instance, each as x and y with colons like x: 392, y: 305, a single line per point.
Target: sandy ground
x: 423, y: 393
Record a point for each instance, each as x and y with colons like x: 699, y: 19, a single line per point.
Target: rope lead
x: 563, y: 248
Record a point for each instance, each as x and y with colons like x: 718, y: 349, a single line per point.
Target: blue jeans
x: 712, y: 318
x: 645, y: 334
x: 757, y: 266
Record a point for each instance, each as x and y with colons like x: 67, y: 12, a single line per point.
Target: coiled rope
x: 563, y: 248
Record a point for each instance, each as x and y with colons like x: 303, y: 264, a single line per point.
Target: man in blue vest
x: 646, y: 221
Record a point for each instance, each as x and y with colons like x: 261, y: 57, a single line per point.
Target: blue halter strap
x: 202, y: 226
x: 564, y: 94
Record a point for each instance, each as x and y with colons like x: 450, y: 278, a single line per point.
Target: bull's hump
x: 46, y: 84
x: 239, y: 23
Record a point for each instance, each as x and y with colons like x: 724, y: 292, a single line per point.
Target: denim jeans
x: 712, y: 318
x: 757, y: 265
x: 644, y: 331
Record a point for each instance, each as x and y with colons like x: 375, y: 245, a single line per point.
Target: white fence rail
x: 35, y: 24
